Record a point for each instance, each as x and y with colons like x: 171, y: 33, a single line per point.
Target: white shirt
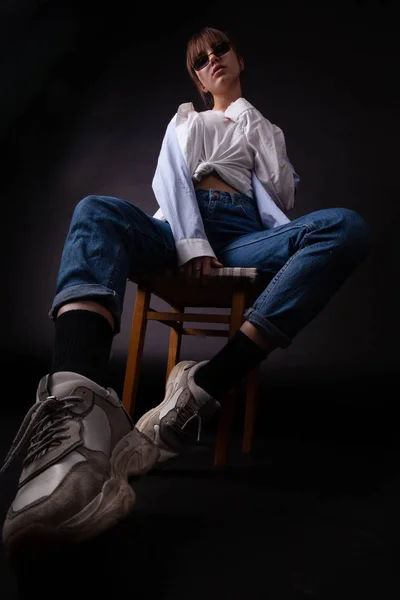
x: 235, y: 142
x: 246, y: 150
x: 226, y: 150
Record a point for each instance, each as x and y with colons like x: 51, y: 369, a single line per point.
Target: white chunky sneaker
x: 81, y: 450
x: 176, y: 422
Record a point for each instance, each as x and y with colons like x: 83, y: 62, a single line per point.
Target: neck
x: 221, y: 102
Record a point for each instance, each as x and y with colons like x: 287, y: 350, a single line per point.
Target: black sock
x: 82, y: 344
x: 239, y: 356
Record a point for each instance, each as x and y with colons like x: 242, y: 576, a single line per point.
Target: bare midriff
x: 214, y: 182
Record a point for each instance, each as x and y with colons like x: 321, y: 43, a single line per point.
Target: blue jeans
x: 304, y: 262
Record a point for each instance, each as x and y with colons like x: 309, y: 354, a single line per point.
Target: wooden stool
x: 235, y: 288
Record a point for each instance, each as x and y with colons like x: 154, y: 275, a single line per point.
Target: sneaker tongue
x: 64, y: 383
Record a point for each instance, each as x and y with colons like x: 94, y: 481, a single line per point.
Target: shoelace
x: 186, y: 414
x: 43, y: 423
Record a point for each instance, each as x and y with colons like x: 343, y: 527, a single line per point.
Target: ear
x: 241, y: 63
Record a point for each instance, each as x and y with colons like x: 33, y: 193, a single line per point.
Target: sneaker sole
x: 171, y: 387
x: 134, y: 455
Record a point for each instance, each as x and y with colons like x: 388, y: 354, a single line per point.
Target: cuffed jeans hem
x: 98, y: 293
x: 272, y: 332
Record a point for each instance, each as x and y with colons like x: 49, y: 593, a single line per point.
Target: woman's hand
x: 199, y: 267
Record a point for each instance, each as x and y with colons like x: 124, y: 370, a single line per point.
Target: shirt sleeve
x: 175, y: 194
x: 271, y: 163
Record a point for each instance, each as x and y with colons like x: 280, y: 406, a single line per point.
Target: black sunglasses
x: 203, y: 60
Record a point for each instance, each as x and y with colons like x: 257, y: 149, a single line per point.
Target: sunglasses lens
x: 222, y: 48
x: 200, y: 62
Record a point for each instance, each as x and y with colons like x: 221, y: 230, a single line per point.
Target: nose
x: 212, y: 58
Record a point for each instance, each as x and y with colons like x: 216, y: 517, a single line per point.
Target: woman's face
x: 220, y: 72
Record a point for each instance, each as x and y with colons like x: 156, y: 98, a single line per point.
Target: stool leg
x: 175, y: 339
x: 252, y: 386
x: 135, y: 351
x: 225, y: 423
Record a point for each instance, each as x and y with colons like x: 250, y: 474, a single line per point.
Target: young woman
x: 224, y: 184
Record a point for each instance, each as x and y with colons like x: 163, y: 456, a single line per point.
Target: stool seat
x: 214, y: 291
x: 233, y: 288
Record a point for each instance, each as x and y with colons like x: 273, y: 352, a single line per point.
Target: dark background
x: 87, y: 91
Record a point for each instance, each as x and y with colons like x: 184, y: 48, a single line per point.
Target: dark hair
x: 197, y: 44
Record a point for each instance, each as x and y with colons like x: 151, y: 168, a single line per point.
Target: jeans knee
x: 356, y: 233
x: 90, y: 205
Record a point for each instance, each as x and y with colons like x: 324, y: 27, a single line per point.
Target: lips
x: 217, y: 70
